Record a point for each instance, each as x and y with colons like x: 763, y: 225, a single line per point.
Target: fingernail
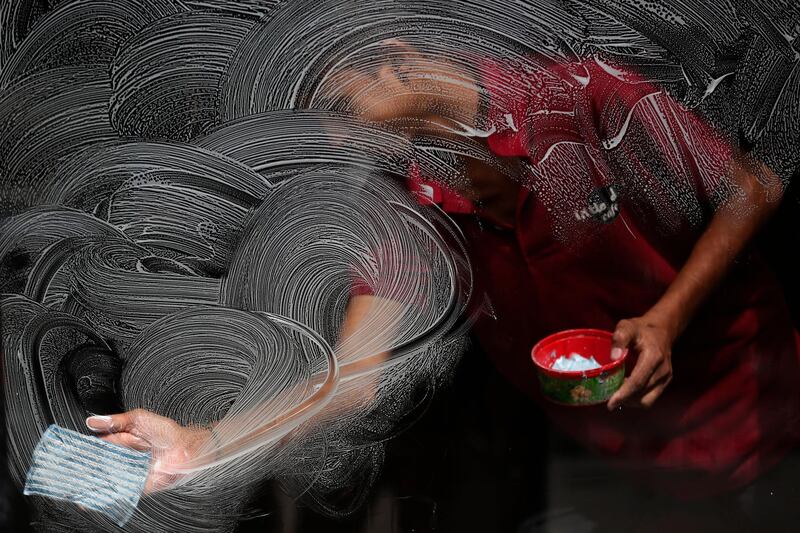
x: 98, y: 423
x: 616, y: 353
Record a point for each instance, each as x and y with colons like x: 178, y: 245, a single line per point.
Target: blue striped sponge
x: 88, y: 471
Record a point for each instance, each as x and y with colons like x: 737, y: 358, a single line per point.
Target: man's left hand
x: 651, y: 339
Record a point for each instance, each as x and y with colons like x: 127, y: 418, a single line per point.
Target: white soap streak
x: 47, y: 116
x: 267, y: 72
x: 69, y: 36
x: 751, y: 45
x: 192, y: 356
x: 317, y: 232
x: 280, y: 140
x: 613, y: 142
x: 87, y: 179
x: 192, y: 190
x: 664, y: 40
x: 16, y: 19
x: 144, y: 273
x: 768, y: 84
x: 160, y: 90
x: 25, y: 237
x: 254, y: 9
x: 260, y: 374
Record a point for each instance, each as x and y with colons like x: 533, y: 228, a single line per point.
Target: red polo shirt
x: 618, y: 188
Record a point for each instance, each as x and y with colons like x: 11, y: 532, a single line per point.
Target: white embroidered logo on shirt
x: 603, y: 205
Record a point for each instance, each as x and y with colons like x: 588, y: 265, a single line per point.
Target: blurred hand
x: 651, y: 340
x: 378, y: 96
x: 170, y: 443
x: 405, y: 83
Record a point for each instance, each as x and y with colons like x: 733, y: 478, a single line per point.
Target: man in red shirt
x: 605, y: 204
x: 621, y: 211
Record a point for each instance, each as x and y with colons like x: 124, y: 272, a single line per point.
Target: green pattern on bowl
x: 583, y: 390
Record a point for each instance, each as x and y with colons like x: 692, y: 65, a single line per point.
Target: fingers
x: 648, y: 380
x: 128, y: 440
x: 653, y: 393
x: 653, y: 369
x: 348, y: 83
x: 623, y: 336
x: 647, y: 397
x: 390, y: 81
x: 101, y: 424
x: 638, y: 380
x: 114, y: 423
x: 401, y: 49
x: 109, y: 424
x: 401, y: 46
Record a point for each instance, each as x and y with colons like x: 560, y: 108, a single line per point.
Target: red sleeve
x: 528, y: 109
x: 646, y: 129
x: 359, y: 286
x: 613, y: 111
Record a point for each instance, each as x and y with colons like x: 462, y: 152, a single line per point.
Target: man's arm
x: 757, y: 195
x: 366, y: 331
x: 404, y: 85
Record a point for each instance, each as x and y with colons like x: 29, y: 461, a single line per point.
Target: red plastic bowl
x: 579, y: 387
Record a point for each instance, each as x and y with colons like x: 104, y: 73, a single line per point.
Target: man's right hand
x: 170, y: 443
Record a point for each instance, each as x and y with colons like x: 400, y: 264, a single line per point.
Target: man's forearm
x: 727, y: 235
x: 360, y: 351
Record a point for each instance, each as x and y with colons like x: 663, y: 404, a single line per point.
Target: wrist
x: 212, y: 439
x: 669, y: 321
